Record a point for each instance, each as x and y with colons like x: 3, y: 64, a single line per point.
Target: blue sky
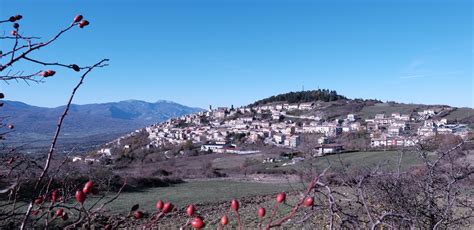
x: 226, y: 52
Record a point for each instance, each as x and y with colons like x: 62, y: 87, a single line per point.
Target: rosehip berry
x: 234, y: 204
x: 89, y: 184
x: 16, y: 25
x: 65, y: 216
x: 281, y: 197
x: 197, y: 223
x: 11, y: 126
x: 59, y: 212
x: 108, y: 227
x: 48, y: 73
x: 14, y: 33
x: 261, y: 212
x: 18, y: 17
x: 168, y: 207
x: 190, y: 210
x: 83, y: 23
x: 78, y: 18
x: 308, y: 202
x: 86, y: 190
x: 224, y: 220
x: 39, y: 200
x: 54, y: 196
x: 80, y: 196
x: 138, y: 215
x: 159, y: 205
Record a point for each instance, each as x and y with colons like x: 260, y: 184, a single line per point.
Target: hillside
x: 274, y: 125
x: 325, y: 95
x: 90, y: 123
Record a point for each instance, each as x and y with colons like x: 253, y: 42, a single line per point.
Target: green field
x: 222, y: 190
x: 460, y: 113
x: 194, y: 193
x: 367, y: 159
x: 388, y: 109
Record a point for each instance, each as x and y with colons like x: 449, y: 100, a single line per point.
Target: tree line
x: 325, y: 95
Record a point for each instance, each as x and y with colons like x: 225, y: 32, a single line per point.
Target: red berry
x: 18, y: 17
x: 39, y: 200
x: 14, y: 33
x: 11, y: 126
x: 48, y: 73
x: 159, y: 205
x: 80, y: 196
x: 138, y: 215
x: 261, y: 212
x: 35, y: 212
x: 65, y: 216
x: 224, y: 220
x: 78, y: 18
x: 108, y: 227
x: 54, y: 196
x: 308, y: 202
x: 83, y: 23
x: 59, y: 212
x: 190, y: 210
x: 89, y: 184
x: 86, y: 190
x: 16, y: 25
x: 197, y: 223
x: 168, y: 207
x: 12, y: 19
x: 281, y: 197
x: 235, y: 205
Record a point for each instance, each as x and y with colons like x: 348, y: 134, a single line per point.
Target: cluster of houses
x: 405, y: 130
x: 216, y: 129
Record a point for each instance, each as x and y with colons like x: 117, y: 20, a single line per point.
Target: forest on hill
x: 325, y: 95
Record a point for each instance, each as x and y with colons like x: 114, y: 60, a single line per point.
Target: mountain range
x: 89, y: 123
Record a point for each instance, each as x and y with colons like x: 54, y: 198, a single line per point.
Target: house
x: 220, y: 113
x: 323, y: 140
x: 394, y: 130
x: 294, y: 141
x: 212, y: 147
x: 105, y: 151
x: 279, y: 138
x: 405, y: 117
x: 428, y: 129
x: 276, y: 116
x: 325, y: 149
x: 306, y: 106
x: 379, y: 116
x: 293, y: 107
x: 290, y: 130
x: 351, y: 117
x: 76, y: 159
x: 394, y: 141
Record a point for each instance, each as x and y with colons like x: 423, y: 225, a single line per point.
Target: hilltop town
x: 302, y: 126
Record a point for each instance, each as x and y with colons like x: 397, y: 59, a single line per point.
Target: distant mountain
x: 86, y: 123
